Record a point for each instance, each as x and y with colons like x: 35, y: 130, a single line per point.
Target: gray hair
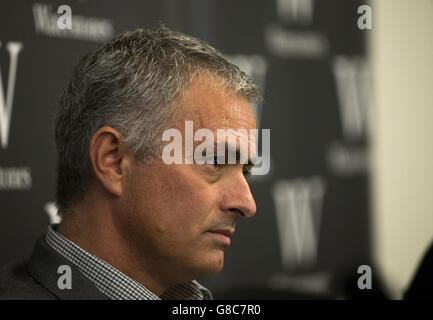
x: 130, y: 84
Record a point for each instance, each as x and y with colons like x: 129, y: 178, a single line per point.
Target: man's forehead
x: 233, y: 138
x: 211, y: 106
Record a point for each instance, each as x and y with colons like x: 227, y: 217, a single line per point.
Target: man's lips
x: 223, y: 235
x: 227, y: 232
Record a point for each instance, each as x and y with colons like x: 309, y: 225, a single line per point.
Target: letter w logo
x: 298, y: 206
x: 354, y: 95
x: 14, y: 49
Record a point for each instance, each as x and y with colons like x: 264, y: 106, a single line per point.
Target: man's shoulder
x: 16, y: 282
x: 37, y: 279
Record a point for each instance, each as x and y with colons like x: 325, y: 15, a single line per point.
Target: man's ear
x: 109, y: 158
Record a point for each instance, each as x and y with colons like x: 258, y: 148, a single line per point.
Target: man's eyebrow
x: 229, y: 148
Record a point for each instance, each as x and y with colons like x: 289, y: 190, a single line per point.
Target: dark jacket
x: 37, y: 278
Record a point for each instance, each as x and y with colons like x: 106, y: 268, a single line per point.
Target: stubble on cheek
x: 174, y: 207
x: 172, y: 199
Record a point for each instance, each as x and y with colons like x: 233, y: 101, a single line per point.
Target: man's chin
x: 212, y: 265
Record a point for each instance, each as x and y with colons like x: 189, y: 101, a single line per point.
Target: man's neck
x: 100, y: 238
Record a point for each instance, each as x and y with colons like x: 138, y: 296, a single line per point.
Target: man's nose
x: 238, y: 198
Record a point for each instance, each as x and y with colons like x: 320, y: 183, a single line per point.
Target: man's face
x: 177, y: 214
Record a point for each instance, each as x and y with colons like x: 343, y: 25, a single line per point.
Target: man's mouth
x: 222, y: 235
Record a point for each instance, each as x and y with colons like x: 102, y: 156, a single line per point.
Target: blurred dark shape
x: 263, y: 293
x: 351, y: 290
x: 421, y: 287
x: 342, y: 287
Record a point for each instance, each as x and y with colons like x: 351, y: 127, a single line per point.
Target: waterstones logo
x: 61, y: 24
x: 349, y: 156
x: 295, y: 11
x: 6, y: 101
x: 301, y: 41
x: 15, y: 178
x: 299, y: 211
x: 354, y: 95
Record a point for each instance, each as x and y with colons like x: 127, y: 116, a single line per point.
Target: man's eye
x: 246, y: 169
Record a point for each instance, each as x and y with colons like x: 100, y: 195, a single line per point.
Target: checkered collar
x: 113, y: 283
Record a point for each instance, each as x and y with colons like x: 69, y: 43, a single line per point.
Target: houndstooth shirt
x: 113, y: 283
